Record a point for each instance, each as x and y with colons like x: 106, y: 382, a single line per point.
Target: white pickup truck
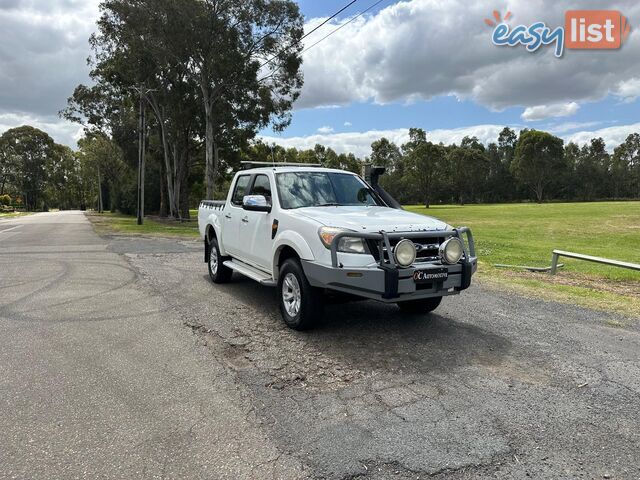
x: 306, y: 230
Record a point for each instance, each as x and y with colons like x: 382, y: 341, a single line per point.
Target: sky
x: 412, y: 63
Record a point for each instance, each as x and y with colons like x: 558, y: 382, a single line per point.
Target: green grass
x: 525, y: 234
x: 14, y: 214
x: 115, y: 223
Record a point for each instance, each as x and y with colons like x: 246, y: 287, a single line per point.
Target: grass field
x: 525, y: 234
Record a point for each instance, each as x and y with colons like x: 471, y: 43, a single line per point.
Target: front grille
x: 427, y: 248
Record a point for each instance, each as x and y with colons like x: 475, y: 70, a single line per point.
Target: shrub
x: 5, y: 200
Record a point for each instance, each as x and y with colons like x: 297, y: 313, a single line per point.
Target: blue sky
x: 581, y: 106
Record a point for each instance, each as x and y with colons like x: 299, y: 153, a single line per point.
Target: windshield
x: 323, y: 189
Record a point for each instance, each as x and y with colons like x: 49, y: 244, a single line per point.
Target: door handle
x: 228, y: 215
x: 245, y: 220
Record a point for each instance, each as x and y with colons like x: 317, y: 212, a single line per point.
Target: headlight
x: 405, y: 253
x: 451, y: 251
x: 346, y: 244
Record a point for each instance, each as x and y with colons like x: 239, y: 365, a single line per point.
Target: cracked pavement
x: 120, y: 359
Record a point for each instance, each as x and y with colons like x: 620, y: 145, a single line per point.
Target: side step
x: 251, y: 272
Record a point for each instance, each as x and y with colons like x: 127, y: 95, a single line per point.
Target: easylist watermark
x: 583, y: 29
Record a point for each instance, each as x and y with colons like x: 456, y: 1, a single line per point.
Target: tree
x: 385, y: 154
x: 64, y: 184
x: 229, y: 47
x: 101, y: 163
x: 626, y: 165
x: 591, y: 169
x: 8, y: 164
x: 538, y: 161
x: 423, y: 162
x: 32, y: 150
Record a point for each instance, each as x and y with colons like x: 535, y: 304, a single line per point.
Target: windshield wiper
x: 328, y: 205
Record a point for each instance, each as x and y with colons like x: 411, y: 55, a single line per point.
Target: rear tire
x: 217, y: 271
x: 424, y: 305
x: 301, y: 305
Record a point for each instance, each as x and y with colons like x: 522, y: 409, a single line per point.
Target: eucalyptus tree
x: 424, y: 164
x: 245, y: 55
x: 538, y: 161
x: 31, y: 151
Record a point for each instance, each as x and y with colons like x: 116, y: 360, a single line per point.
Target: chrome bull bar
x: 383, y: 240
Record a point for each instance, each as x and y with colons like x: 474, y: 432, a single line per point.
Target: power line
x: 342, y: 26
x: 325, y: 37
x: 328, y: 19
x: 314, y: 29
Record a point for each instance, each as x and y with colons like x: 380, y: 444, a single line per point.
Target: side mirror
x: 256, y: 203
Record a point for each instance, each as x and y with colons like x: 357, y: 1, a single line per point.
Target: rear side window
x: 261, y: 186
x: 241, y: 190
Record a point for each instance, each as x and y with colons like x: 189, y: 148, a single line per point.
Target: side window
x: 240, y: 190
x: 261, y: 186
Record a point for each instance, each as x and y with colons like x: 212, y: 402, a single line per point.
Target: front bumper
x: 388, y: 282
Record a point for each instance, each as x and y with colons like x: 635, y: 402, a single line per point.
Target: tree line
x: 532, y: 165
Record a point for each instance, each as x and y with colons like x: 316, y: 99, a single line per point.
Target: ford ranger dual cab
x: 307, y: 230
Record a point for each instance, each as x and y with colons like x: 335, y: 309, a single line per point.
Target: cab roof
x: 290, y: 169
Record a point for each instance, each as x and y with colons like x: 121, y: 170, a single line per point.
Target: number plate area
x: 431, y: 275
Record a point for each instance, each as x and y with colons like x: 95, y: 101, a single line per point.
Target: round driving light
x: 451, y: 251
x: 405, y: 253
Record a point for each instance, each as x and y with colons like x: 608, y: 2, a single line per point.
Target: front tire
x: 424, y: 305
x: 301, y: 305
x: 217, y: 271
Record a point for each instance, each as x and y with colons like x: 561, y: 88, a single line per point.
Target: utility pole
x: 100, y: 206
x: 141, y: 156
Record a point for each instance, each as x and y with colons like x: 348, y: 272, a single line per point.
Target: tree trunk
x: 163, y: 192
x: 177, y: 178
x: 539, y: 192
x: 211, y: 161
x: 184, y: 188
x: 157, y: 111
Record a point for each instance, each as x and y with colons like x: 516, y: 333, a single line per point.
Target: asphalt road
x: 120, y: 359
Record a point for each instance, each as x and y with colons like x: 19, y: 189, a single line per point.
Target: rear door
x: 233, y: 217
x: 255, y: 227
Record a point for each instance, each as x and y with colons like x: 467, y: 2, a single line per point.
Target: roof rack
x: 248, y: 165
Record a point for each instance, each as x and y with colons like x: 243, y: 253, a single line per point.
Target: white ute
x: 306, y: 230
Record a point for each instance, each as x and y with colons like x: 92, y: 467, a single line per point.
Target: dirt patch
x: 572, y: 279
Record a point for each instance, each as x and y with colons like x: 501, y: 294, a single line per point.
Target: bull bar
x: 384, y: 240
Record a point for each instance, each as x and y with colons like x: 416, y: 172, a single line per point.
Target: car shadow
x: 370, y: 335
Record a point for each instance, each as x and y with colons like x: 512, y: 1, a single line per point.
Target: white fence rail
x: 615, y: 263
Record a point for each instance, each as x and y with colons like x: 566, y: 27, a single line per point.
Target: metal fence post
x: 554, y: 264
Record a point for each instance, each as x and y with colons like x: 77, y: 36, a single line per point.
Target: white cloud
x: 325, y: 129
x: 628, y: 90
x: 348, y: 124
x: 613, y: 136
x: 359, y: 143
x: 61, y: 131
x: 43, y: 55
x: 540, y: 112
x: 418, y: 49
x: 559, y: 128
